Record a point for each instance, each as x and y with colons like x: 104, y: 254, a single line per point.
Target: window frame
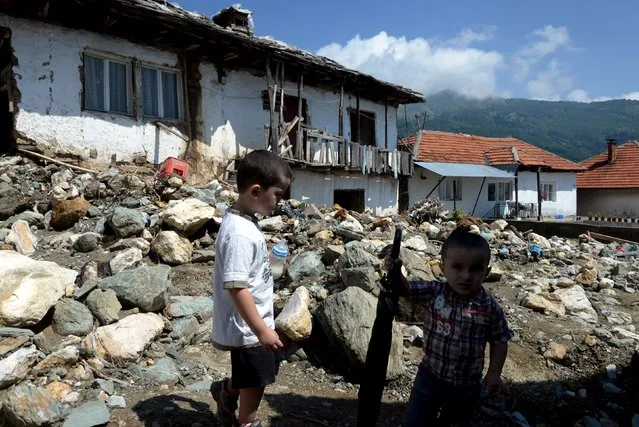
x: 130, y: 81
x: 180, y: 95
x: 498, y: 193
x: 553, y: 193
x: 443, y: 190
x: 370, y: 115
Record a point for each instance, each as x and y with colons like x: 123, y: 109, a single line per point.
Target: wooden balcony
x: 321, y: 150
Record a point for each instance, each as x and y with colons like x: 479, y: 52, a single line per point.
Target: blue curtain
x: 93, y: 83
x: 118, y: 96
x: 170, y: 95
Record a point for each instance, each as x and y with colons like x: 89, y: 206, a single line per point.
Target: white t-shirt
x: 241, y: 255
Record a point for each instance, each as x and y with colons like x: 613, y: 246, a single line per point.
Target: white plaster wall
x: 608, y: 202
x: 566, y: 184
x: 48, y: 77
x: 380, y: 192
x: 234, y: 117
x: 423, y: 181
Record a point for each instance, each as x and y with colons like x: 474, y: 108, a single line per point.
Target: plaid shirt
x: 456, y: 331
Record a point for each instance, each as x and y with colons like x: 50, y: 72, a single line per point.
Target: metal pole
x: 478, y: 195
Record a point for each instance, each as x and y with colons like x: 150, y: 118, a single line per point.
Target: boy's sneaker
x: 226, y: 404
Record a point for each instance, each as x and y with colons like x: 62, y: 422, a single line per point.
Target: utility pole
x: 422, y: 115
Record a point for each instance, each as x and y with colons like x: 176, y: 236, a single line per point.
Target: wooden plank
x: 341, y: 112
x: 282, y: 95
x: 300, y: 103
x: 271, y: 94
x: 324, y: 135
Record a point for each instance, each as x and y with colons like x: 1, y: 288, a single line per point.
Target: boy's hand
x: 399, y: 274
x: 270, y: 340
x: 494, y: 384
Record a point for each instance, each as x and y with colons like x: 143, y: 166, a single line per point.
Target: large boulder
x: 172, y: 248
x: 347, y: 320
x: 188, y: 216
x: 124, y: 342
x: 29, y: 288
x: 30, y: 406
x: 144, y: 287
x: 71, y: 317
x: 66, y: 213
x: 126, y: 222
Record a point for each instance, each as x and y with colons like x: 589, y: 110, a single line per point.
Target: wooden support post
x: 271, y: 94
x: 539, y: 195
x: 516, y: 194
x: 478, y: 196
x: 342, y: 148
x: 358, y: 120
x: 454, y: 194
x: 385, y: 123
x: 300, y: 102
x: 282, y: 95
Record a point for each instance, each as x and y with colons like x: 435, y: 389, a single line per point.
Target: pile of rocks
x: 88, y: 306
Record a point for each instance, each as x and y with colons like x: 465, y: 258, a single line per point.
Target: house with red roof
x: 609, y: 185
x: 490, y: 177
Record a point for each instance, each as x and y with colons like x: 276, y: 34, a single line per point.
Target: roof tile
x: 623, y: 173
x: 449, y: 147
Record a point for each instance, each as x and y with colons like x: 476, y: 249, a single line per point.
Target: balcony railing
x: 322, y: 150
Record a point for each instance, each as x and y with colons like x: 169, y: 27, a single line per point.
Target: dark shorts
x: 254, y: 367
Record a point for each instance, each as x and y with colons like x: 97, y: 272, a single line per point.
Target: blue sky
x: 543, y: 49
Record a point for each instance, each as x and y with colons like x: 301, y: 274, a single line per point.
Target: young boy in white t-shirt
x: 243, y: 321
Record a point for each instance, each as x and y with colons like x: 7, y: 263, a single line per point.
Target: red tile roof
x: 623, y: 173
x: 449, y: 147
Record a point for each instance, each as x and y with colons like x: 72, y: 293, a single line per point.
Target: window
x: 548, y: 192
x: 352, y: 200
x: 107, y: 84
x: 448, y: 187
x: 364, y: 133
x: 501, y: 191
x: 160, y: 93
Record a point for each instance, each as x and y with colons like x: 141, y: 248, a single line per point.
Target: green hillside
x: 573, y: 130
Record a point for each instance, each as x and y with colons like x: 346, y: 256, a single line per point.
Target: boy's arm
x: 498, y: 339
x: 245, y: 305
x: 409, y: 289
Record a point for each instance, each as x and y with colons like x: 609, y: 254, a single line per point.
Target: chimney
x: 235, y: 18
x: 612, y: 150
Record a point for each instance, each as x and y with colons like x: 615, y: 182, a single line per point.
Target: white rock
x: 172, y: 248
x: 295, y: 320
x: 577, y: 303
x: 66, y: 357
x: 29, y: 288
x: 125, y: 341
x: 188, y: 215
x: 499, y: 225
x: 539, y: 240
x: 125, y: 259
x: 606, y: 283
x: 22, y: 238
x: 16, y: 367
x: 416, y: 243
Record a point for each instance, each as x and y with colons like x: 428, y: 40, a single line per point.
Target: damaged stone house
x: 109, y: 80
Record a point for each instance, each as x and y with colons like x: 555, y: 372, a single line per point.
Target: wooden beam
x: 385, y: 124
x: 359, y: 130
x: 539, y: 194
x: 300, y: 104
x: 282, y: 95
x: 271, y: 94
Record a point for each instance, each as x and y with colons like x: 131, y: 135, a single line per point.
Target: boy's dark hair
x: 462, y: 238
x: 264, y: 168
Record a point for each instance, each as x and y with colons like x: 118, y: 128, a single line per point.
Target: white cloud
x: 634, y: 96
x: 468, y: 36
x: 580, y: 95
x: 550, y: 84
x: 548, y: 41
x: 423, y: 65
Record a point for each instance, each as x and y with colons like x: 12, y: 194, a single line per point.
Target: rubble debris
x: 105, y: 286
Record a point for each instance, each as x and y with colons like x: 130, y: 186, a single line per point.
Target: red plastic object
x: 174, y: 165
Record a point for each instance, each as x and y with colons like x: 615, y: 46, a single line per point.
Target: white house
x: 490, y: 177
x: 118, y: 79
x: 609, y: 187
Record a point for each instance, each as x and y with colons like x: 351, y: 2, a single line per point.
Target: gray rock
x: 349, y: 234
x: 71, y: 317
x: 41, y: 410
x: 205, y: 195
x: 104, y: 305
x: 4, y: 233
x: 347, y: 319
x: 126, y: 222
x: 149, y: 292
x: 314, y: 226
x: 332, y: 253
x: 355, y: 256
x: 184, y: 329
x: 202, y: 256
x: 362, y: 277
x: 94, y: 212
x: 105, y: 385
x: 87, y: 242
x: 272, y: 224
x: 16, y: 367
x: 30, y: 217
x: 200, y: 385
x: 116, y: 402
x: 15, y: 332
x: 13, y: 201
x: 186, y: 306
x: 90, y: 414
x: 165, y: 371
x: 308, y: 264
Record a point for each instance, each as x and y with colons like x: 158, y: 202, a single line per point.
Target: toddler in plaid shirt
x: 461, y: 319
